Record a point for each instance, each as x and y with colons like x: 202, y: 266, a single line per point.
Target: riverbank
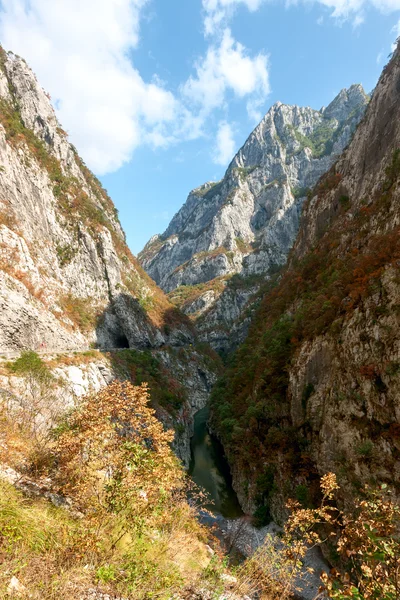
x: 209, y: 469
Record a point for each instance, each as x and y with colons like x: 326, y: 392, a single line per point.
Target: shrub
x: 65, y: 254
x: 302, y: 494
x: 29, y: 362
x: 365, y: 449
x: 35, y: 410
x: 115, y: 459
x: 143, y: 366
x: 370, y: 546
x: 79, y: 310
x: 135, y: 536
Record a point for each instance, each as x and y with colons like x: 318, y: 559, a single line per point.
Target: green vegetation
x: 300, y: 192
x: 344, y: 202
x: 393, y: 170
x: 238, y: 281
x: 143, y: 366
x: 133, y: 534
x: 243, y: 246
x: 136, y: 536
x: 365, y: 448
x: 265, y: 489
x: 311, y: 297
x: 206, y: 189
x: 29, y: 362
x: 320, y: 141
x: 77, y: 206
x: 184, y: 295
x: 274, y: 182
x: 65, y: 254
x: 151, y: 249
x: 243, y: 172
x: 302, y: 494
x: 80, y: 311
x: 66, y: 188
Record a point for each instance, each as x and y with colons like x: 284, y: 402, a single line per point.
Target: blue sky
x: 157, y: 95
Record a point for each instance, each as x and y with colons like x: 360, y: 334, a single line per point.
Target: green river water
x: 209, y: 469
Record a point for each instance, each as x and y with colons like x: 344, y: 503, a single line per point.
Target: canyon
x: 231, y: 235
x: 271, y: 300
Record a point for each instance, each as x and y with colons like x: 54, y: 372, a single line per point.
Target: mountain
x: 247, y: 223
x: 67, y: 278
x: 315, y: 387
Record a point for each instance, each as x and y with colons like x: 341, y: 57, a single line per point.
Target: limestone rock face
x: 247, y: 223
x: 315, y: 387
x: 67, y: 278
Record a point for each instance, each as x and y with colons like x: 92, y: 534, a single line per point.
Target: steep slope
x: 67, y: 278
x: 247, y: 222
x: 315, y: 387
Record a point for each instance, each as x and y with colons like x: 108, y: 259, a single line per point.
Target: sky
x: 158, y: 95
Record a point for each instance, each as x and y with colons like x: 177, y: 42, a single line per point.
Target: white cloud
x: 358, y: 20
x: 225, y: 144
x: 217, y: 12
x: 396, y: 31
x: 227, y: 67
x: 79, y: 50
x: 349, y: 8
x: 379, y: 58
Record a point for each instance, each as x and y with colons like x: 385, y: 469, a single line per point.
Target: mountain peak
x: 246, y: 223
x: 345, y: 102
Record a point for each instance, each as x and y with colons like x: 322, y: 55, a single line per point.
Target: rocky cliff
x: 67, y: 278
x: 315, y: 387
x: 247, y: 223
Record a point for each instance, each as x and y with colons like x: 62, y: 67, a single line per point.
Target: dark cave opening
x: 121, y: 341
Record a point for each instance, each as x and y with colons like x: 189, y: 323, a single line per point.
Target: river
x: 209, y: 469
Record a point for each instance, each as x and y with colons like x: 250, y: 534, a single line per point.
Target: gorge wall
x: 315, y: 387
x: 67, y: 278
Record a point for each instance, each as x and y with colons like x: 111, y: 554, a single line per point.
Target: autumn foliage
x: 315, y: 295
x: 114, y: 456
x: 128, y: 531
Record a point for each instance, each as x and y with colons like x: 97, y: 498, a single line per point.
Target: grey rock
x: 247, y: 223
x: 52, y: 254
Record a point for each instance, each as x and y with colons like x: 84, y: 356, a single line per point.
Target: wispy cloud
x: 219, y: 11
x: 80, y: 52
x: 227, y: 67
x: 225, y: 144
